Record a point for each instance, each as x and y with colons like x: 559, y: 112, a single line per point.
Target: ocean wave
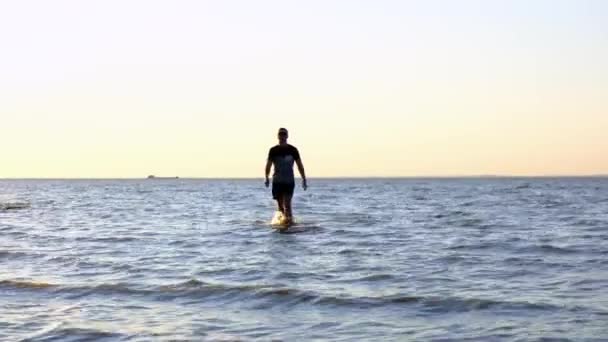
x: 197, y: 290
x: 60, y: 333
x: 477, y: 246
x: 13, y: 255
x: 24, y: 284
x: 14, y: 205
x: 114, y: 239
x: 552, y: 249
x: 374, y: 277
x: 591, y: 223
x: 535, y: 249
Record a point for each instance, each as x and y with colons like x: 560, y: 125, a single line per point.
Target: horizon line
x: 326, y: 177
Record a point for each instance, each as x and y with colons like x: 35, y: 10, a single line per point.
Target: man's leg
x: 280, y: 204
x: 287, y: 202
x: 287, y: 206
x: 278, y: 196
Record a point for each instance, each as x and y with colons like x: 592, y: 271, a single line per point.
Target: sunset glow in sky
x: 366, y: 88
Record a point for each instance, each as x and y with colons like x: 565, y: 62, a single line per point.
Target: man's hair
x: 283, y: 129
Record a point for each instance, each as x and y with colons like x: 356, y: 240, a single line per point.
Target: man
x: 282, y: 156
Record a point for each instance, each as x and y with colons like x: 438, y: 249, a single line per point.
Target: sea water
x: 370, y: 259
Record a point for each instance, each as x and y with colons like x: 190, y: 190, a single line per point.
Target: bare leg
x: 280, y: 206
x: 287, y: 206
x: 281, y: 203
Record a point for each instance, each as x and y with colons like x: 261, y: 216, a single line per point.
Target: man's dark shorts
x: 282, y: 189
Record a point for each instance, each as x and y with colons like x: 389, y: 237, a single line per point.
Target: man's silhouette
x: 282, y: 157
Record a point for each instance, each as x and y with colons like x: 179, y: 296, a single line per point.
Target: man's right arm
x: 302, y: 173
x: 268, y: 165
x: 267, y: 171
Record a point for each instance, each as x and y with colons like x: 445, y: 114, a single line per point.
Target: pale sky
x: 366, y: 88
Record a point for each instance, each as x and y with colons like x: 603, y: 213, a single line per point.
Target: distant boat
x: 154, y: 177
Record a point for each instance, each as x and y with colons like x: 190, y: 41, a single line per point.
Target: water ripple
x: 375, y: 259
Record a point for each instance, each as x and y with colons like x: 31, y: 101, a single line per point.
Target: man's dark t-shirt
x: 283, y: 157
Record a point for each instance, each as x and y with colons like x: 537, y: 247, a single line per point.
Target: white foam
x: 280, y: 219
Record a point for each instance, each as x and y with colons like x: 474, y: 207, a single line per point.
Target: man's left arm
x: 267, y: 168
x: 302, y: 173
x: 267, y: 172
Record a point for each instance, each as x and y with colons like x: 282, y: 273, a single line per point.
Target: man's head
x: 283, y: 135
